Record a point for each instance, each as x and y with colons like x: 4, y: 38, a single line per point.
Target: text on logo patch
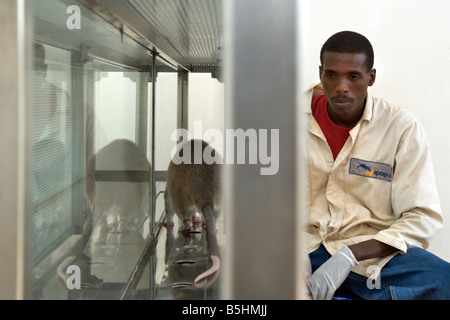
x: 370, y: 169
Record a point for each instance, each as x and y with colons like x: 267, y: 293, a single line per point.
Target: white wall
x: 412, y: 58
x: 115, y: 109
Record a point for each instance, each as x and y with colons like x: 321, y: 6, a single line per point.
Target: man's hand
x: 328, y: 278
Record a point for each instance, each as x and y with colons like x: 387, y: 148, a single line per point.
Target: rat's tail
x: 211, y: 238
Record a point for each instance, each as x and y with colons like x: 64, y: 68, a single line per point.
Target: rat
x: 193, y: 193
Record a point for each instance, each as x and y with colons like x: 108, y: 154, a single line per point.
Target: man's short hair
x: 349, y: 42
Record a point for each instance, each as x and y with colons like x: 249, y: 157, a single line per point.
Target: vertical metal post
x: 261, y: 211
x: 153, y: 182
x: 89, y: 111
x: 183, y: 107
x: 77, y: 107
x: 15, y: 148
x: 142, y: 110
x: 152, y: 264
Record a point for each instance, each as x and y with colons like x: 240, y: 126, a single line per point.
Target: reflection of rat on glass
x: 117, y: 200
x: 192, y: 189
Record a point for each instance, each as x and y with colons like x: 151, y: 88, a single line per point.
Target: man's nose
x: 342, y: 85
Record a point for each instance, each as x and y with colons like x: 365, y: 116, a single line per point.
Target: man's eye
x: 330, y: 75
x: 355, y: 76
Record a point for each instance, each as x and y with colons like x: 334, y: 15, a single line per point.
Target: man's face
x: 345, y: 78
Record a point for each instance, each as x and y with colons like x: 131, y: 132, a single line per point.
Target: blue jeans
x: 416, y: 275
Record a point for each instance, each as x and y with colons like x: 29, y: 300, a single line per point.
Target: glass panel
x: 117, y: 185
x: 166, y: 108
x: 98, y: 198
x: 56, y: 179
x: 92, y: 177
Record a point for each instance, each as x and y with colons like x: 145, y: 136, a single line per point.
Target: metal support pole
x: 183, y: 107
x: 153, y: 178
x: 261, y: 211
x: 142, y: 110
x: 15, y: 148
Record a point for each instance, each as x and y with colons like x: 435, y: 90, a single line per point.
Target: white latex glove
x: 328, y: 278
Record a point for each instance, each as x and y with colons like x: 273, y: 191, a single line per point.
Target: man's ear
x: 320, y: 72
x: 373, y: 75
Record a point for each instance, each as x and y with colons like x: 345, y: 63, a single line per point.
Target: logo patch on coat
x: 370, y: 169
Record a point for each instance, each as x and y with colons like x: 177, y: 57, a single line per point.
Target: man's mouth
x: 341, y: 100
